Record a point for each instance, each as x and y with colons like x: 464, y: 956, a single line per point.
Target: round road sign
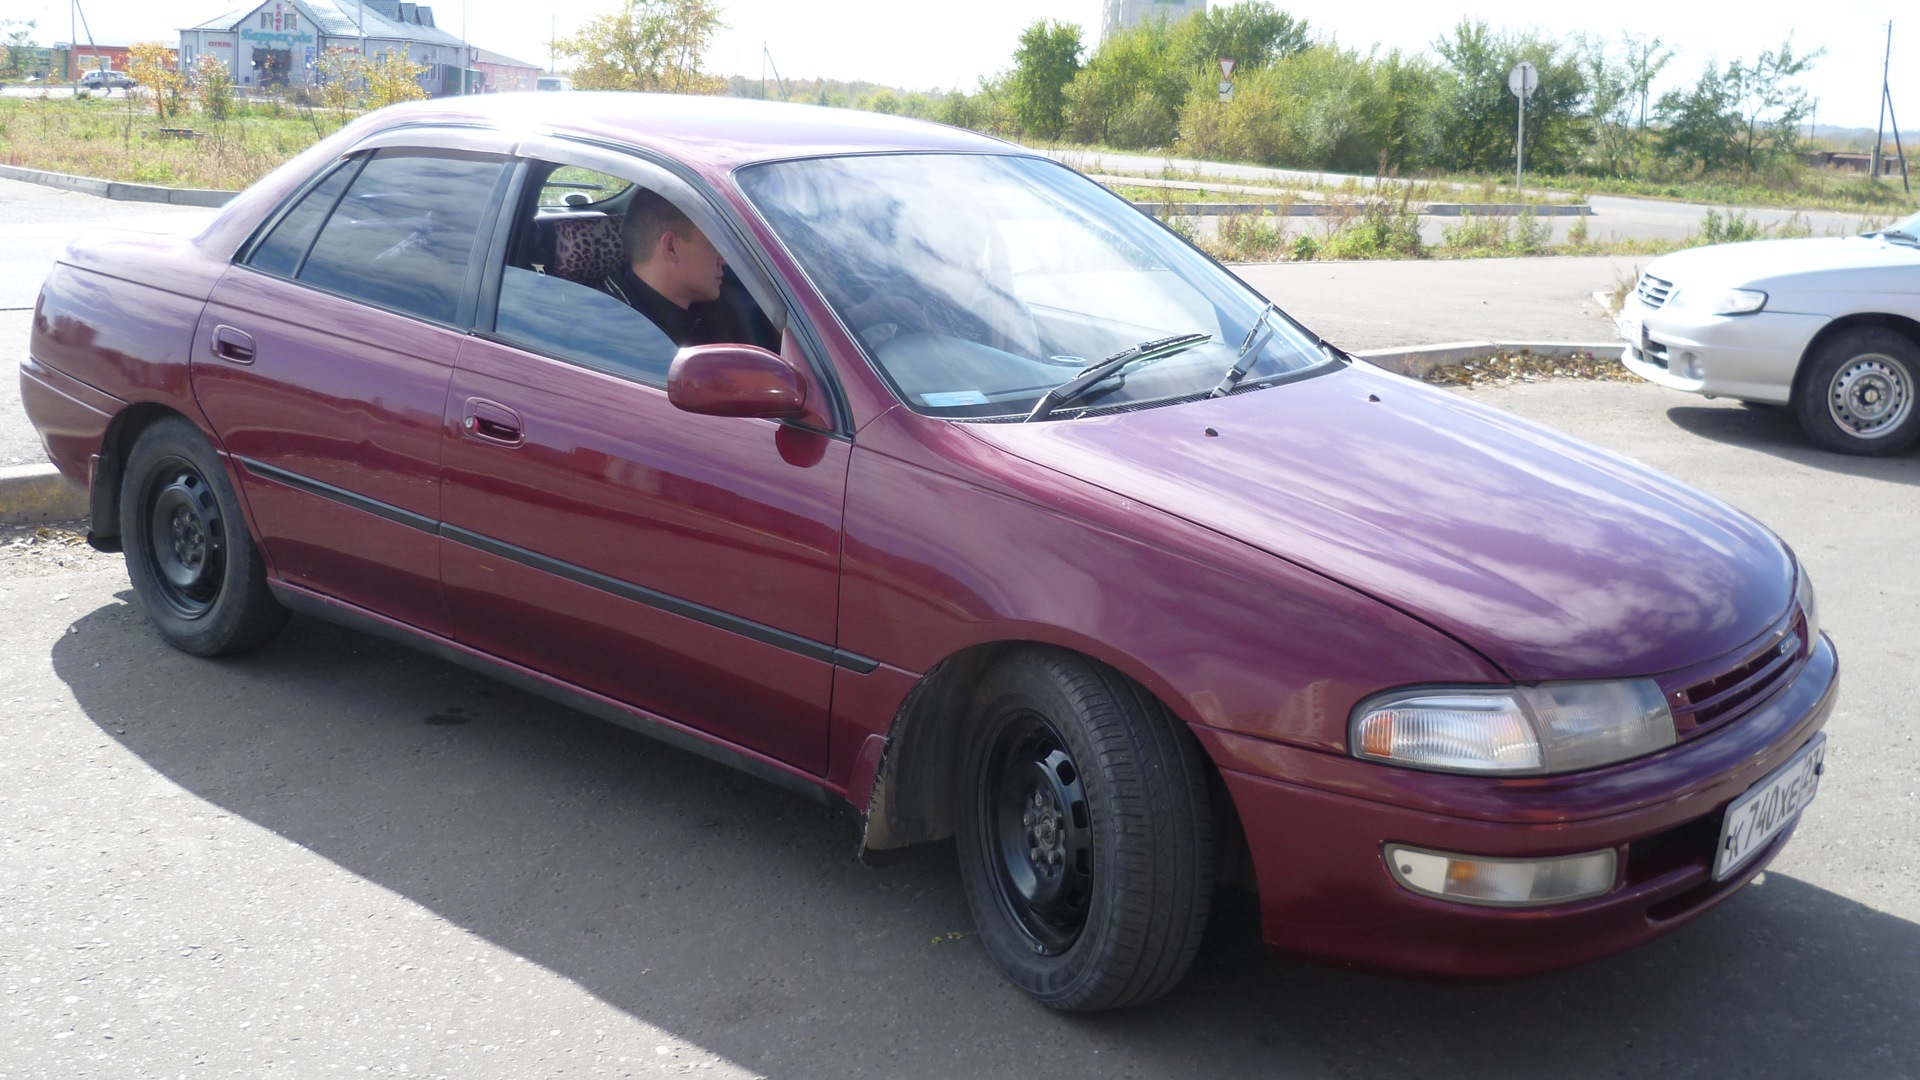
x: 1523, y: 79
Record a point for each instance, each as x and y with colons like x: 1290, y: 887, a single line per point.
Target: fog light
x: 1504, y: 882
x: 1689, y: 365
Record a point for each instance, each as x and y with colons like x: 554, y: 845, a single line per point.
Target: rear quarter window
x: 406, y: 232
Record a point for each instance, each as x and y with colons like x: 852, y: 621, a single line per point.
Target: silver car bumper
x: 1750, y: 357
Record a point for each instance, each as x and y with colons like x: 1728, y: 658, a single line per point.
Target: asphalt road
x: 336, y: 855
x: 1614, y: 217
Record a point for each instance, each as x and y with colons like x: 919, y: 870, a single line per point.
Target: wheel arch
x: 911, y: 802
x: 125, y: 429
x: 1910, y: 328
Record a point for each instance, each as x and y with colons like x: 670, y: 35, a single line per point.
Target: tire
x: 1084, y: 833
x: 1860, y: 392
x: 191, y: 560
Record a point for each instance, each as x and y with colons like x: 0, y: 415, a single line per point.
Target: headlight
x: 1518, y: 731
x: 1803, y: 596
x: 1718, y: 301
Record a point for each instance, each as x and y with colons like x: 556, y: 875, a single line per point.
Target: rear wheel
x: 189, y: 556
x: 1083, y: 832
x: 1857, y: 395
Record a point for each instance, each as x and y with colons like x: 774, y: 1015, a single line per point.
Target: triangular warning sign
x: 1226, y: 69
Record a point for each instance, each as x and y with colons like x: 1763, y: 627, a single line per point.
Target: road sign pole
x: 1520, y: 147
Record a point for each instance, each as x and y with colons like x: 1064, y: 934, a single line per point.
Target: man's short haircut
x: 649, y: 217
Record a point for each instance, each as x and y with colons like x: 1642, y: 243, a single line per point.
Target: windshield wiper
x: 1900, y: 235
x: 1094, y: 373
x: 1249, y: 353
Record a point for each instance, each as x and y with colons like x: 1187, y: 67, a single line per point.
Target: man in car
x: 677, y: 278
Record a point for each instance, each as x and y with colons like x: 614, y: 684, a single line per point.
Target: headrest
x: 583, y: 247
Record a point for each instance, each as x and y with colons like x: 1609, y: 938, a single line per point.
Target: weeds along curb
x: 115, y: 189
x: 1418, y: 360
x: 37, y: 494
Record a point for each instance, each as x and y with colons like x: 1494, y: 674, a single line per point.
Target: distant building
x: 504, y: 74
x: 276, y: 43
x: 1855, y: 161
x: 106, y: 56
x: 1122, y: 13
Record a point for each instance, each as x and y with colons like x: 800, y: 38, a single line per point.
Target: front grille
x: 1744, y: 686
x: 1653, y: 291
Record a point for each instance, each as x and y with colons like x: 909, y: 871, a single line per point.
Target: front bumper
x: 1750, y: 357
x: 1325, y: 889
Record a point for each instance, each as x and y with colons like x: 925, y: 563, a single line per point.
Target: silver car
x: 1829, y: 327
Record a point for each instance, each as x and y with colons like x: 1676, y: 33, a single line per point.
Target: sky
x: 925, y: 44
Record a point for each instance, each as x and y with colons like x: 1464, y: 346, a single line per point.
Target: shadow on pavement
x: 1776, y: 432
x: 734, y: 915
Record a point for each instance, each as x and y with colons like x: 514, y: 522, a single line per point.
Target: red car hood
x: 1554, y: 559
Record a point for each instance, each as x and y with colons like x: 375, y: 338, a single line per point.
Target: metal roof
x: 338, y: 18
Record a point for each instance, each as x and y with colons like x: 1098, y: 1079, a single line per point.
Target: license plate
x: 1628, y: 326
x: 1769, y: 806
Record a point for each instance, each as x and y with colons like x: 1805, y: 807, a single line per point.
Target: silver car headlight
x: 1718, y: 301
x: 1514, y: 731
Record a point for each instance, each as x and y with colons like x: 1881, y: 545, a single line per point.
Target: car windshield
x: 977, y: 283
x: 1909, y: 226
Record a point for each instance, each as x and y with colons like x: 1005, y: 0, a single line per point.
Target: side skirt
x: 667, y: 731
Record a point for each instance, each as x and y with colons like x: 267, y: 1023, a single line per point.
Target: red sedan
x: 899, y: 465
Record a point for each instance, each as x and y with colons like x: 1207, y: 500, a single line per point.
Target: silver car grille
x: 1653, y: 291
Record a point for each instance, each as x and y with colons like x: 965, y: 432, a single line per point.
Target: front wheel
x: 189, y: 556
x: 1857, y: 394
x: 1084, y: 833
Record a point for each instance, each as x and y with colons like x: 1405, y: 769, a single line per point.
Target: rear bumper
x: 1326, y: 891
x: 71, y: 417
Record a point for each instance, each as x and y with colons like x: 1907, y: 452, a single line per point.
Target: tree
x: 1700, y: 125
x: 212, y: 86
x: 393, y: 77
x: 652, y: 45
x: 18, y: 38
x: 1477, y: 114
x: 1252, y: 34
x: 153, y: 67
x: 1046, y: 60
x: 1770, y: 107
x: 1744, y: 116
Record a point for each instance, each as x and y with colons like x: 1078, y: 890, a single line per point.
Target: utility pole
x: 1880, y: 135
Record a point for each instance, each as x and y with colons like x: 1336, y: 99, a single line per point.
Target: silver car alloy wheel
x: 1871, y: 396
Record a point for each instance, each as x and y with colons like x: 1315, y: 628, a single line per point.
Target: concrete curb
x: 37, y: 494
x: 115, y: 189
x: 1418, y: 360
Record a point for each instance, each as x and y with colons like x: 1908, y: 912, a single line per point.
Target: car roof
x: 711, y: 133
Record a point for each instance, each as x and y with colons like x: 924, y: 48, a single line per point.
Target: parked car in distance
x: 552, y: 82
x: 106, y: 79
x: 1000, y: 513
x: 1828, y: 327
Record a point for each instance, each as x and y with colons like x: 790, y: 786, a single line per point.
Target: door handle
x: 490, y: 421
x: 232, y: 344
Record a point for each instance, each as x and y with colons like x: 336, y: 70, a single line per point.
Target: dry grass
x: 121, y: 139
x: 1504, y: 369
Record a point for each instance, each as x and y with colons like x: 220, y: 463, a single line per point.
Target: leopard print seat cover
x: 586, y: 247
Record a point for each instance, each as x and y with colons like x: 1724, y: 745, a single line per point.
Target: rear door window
x: 405, y: 236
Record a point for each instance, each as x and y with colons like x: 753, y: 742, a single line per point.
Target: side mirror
x: 735, y: 380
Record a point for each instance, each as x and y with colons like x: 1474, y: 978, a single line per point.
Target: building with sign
x: 1122, y: 13
x: 278, y: 42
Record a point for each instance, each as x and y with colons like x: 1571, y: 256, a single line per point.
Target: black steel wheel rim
x: 186, y: 538
x: 1039, y: 835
